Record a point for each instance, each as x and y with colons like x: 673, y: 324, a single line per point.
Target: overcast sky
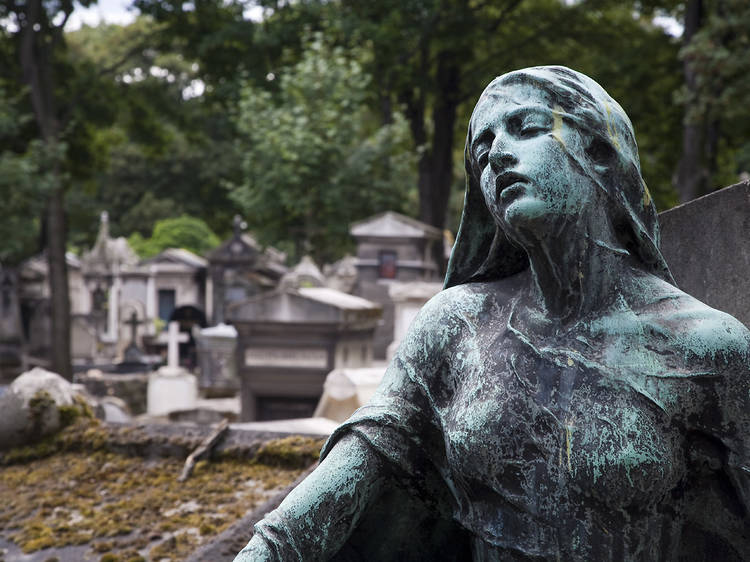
x: 109, y: 11
x: 116, y: 11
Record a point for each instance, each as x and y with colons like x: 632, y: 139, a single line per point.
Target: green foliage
x: 24, y: 183
x: 185, y: 232
x: 433, y: 54
x: 168, y: 150
x: 315, y: 159
x: 719, y: 56
x: 331, y: 130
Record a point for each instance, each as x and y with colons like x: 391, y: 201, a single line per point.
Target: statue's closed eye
x: 530, y: 124
x: 481, y: 149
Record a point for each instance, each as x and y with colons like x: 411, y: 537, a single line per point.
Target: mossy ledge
x: 114, y: 489
x: 86, y: 434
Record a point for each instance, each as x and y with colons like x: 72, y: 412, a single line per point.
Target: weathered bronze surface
x: 561, y: 399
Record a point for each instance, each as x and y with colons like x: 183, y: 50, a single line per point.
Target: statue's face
x: 522, y: 148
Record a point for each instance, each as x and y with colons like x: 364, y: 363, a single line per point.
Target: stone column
x: 151, y: 312
x: 113, y: 327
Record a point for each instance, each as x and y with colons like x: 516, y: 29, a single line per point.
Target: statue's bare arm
x: 317, y: 517
x: 315, y: 520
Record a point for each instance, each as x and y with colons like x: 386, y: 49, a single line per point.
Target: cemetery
x: 239, y: 331
x: 340, y: 280
x: 294, y: 348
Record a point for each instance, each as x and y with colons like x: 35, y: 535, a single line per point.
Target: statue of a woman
x: 561, y: 399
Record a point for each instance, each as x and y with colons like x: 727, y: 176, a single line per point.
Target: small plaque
x: 311, y: 358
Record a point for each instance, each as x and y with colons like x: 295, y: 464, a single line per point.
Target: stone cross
x: 133, y: 323
x: 238, y: 225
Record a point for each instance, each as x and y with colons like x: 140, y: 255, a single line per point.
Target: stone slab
x: 132, y: 388
x: 706, y: 243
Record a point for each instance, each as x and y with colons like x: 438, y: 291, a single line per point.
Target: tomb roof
x: 336, y: 298
x: 393, y: 225
x: 178, y: 256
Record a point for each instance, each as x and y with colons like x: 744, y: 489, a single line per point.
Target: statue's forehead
x: 498, y: 101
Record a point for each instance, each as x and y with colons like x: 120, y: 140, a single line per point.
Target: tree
x: 170, y: 147
x: 435, y: 56
x: 68, y: 102
x: 315, y: 159
x: 610, y: 43
x: 185, y: 232
x: 424, y: 53
x: 22, y: 187
x: 39, y: 37
x: 717, y: 78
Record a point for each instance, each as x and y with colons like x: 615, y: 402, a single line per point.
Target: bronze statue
x: 561, y: 399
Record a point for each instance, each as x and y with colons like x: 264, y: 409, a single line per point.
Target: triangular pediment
x: 178, y: 256
x: 393, y: 225
x: 307, y: 305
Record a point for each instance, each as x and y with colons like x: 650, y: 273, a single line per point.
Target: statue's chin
x: 527, y: 214
x: 530, y: 218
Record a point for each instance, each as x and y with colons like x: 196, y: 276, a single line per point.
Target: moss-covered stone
x: 293, y: 452
x: 79, y: 490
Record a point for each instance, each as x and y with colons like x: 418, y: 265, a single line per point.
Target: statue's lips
x: 510, y: 185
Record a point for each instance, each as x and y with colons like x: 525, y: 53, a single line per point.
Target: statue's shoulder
x: 446, y: 310
x: 468, y: 302
x: 695, y: 328
x: 451, y: 315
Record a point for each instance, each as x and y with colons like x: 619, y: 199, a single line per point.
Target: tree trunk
x: 436, y: 164
x: 58, y: 280
x: 36, y: 53
x: 691, y: 177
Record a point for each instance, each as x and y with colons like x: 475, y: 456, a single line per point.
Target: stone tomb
x: 240, y: 269
x: 408, y: 299
x: 392, y: 249
x: 289, y: 340
x: 706, y: 243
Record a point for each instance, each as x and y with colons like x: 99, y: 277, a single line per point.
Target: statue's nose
x: 501, y: 158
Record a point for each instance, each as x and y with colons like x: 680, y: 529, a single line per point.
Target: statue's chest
x: 533, y: 429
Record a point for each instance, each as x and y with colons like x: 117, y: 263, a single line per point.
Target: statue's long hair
x: 483, y: 252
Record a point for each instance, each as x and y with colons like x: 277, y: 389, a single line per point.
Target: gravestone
x: 102, y: 269
x: 217, y: 347
x: 133, y: 353
x: 342, y: 274
x: 347, y: 389
x: 84, y: 341
x: 131, y: 388
x: 289, y: 340
x: 171, y: 388
x: 706, y: 243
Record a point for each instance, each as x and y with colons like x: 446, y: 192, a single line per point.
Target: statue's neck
x: 575, y: 272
